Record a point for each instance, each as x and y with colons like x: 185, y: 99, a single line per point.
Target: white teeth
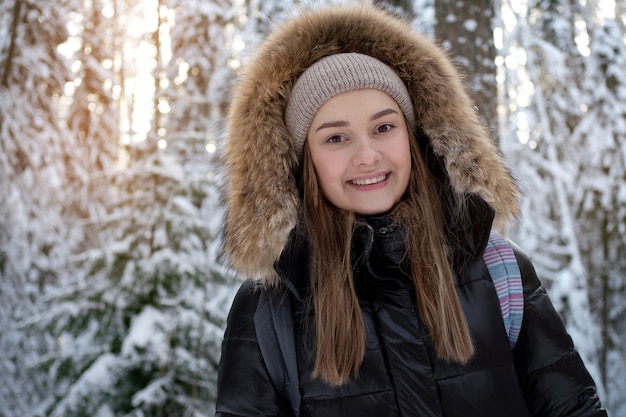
x: 369, y: 181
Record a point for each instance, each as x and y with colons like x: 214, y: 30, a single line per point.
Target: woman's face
x: 359, y: 145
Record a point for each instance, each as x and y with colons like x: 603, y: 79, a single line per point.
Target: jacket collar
x: 468, y: 231
x: 467, y: 235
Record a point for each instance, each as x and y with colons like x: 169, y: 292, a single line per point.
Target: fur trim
x: 262, y: 197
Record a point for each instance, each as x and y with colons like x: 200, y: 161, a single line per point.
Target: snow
x: 97, y: 378
x: 470, y: 25
x: 147, y: 333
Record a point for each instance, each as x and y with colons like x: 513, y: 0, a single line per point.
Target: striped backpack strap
x: 507, y: 279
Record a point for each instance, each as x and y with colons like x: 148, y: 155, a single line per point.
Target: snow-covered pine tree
x: 39, y: 173
x: 599, y: 198
x: 202, y: 37
x: 141, y: 327
x: 261, y: 15
x: 545, y: 104
x: 142, y: 323
x: 93, y: 115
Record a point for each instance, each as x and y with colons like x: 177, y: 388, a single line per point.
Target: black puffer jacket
x: 400, y: 375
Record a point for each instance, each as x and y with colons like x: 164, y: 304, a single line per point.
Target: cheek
x: 326, y: 176
x: 329, y: 173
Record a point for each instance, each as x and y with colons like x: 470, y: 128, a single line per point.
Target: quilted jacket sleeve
x: 552, y: 375
x: 244, y: 388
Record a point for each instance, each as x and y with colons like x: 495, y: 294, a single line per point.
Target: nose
x: 365, y: 153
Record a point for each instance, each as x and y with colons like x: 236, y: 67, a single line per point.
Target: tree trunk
x: 466, y: 29
x: 11, y: 52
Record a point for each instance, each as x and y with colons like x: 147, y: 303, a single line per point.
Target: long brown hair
x: 340, y: 331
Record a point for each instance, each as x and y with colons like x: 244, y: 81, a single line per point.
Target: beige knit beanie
x: 336, y: 74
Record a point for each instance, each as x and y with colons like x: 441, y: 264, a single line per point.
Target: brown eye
x: 335, y: 139
x: 384, y: 128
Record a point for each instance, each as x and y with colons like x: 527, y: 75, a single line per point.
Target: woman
x: 361, y: 183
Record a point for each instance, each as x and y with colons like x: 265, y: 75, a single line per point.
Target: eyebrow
x: 341, y: 123
x: 382, y: 113
x: 331, y: 124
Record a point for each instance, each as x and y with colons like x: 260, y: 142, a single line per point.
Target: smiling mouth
x: 370, y: 181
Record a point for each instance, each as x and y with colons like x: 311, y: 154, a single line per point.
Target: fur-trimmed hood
x: 262, y: 198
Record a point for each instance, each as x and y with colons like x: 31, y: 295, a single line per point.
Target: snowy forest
x: 113, y: 300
